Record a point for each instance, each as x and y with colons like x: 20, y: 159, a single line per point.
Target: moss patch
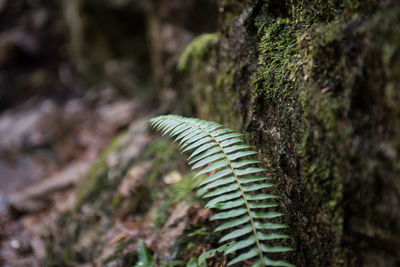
x: 323, y: 82
x: 93, y: 184
x: 197, y: 49
x: 278, y: 57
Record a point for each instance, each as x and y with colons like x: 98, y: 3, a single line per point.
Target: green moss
x: 324, y: 97
x: 324, y: 86
x: 278, y: 57
x: 226, y: 78
x: 197, y: 49
x: 319, y: 11
x: 302, y: 89
x: 226, y: 88
x: 211, y: 81
x: 94, y: 184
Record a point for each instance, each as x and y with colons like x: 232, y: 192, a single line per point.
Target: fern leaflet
x: 233, y: 188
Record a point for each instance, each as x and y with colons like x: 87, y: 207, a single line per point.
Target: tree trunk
x: 315, y: 87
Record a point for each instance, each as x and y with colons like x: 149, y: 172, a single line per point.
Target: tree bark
x: 315, y: 86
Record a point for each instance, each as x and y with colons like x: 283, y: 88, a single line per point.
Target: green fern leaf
x: 234, y: 189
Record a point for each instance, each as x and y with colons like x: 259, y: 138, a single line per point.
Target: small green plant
x: 197, y: 49
x: 233, y: 188
x: 145, y: 259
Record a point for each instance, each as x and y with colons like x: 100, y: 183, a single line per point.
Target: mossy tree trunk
x: 315, y: 86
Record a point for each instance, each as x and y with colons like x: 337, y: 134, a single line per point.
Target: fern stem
x: 245, y: 202
x: 260, y: 253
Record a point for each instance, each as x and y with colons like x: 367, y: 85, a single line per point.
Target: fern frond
x: 234, y: 189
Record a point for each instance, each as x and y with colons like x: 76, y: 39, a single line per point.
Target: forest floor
x: 83, y: 181
x: 46, y: 148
